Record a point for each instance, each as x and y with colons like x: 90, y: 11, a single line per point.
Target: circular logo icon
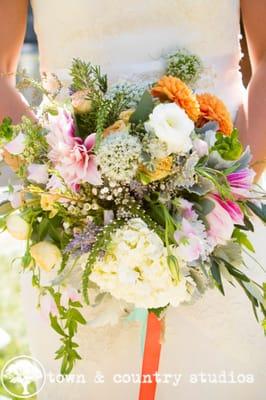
x: 23, y: 377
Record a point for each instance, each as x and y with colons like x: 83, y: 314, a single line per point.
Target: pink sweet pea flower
x: 187, y: 209
x: 221, y: 225
x: 190, y: 246
x: 232, y: 208
x: 38, y: 173
x: 68, y: 294
x: 17, y: 145
x: 48, y: 306
x: 241, y: 181
x: 16, y: 197
x: 71, y: 155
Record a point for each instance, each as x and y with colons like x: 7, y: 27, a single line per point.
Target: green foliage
x: 6, y: 130
x: 104, y: 112
x: 66, y: 325
x: 100, y: 245
x: 153, y: 223
x: 5, y: 208
x: 217, y: 178
x: 229, y: 147
x: 216, y: 274
x: 36, y: 146
x: 49, y: 228
x: 259, y: 211
x: 159, y: 312
x: 231, y: 253
x: 107, y: 114
x: 242, y: 239
x: 254, y: 292
x: 87, y: 76
x: 143, y: 110
x: 185, y: 66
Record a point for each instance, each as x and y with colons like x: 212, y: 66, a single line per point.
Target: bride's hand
x: 251, y: 119
x: 12, y: 31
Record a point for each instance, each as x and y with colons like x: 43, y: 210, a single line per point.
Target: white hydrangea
x: 135, y: 269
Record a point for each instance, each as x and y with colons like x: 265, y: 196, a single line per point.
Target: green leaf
x: 216, y: 274
x: 159, y: 312
x: 259, y: 211
x: 43, y: 228
x: 76, y: 315
x: 205, y: 206
x: 235, y: 271
x: 55, y: 325
x: 5, y: 207
x: 242, y: 239
x: 144, y: 109
x: 248, y: 226
x: 6, y: 129
x: 254, y: 291
x: 26, y: 259
x: 173, y: 267
x: 229, y: 147
x: 230, y: 252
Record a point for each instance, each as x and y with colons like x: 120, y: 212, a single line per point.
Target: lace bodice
x: 129, y: 39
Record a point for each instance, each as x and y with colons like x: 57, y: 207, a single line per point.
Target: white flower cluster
x: 135, y: 269
x: 132, y: 92
x: 118, y: 156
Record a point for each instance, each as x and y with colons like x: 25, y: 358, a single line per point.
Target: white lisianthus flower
x: 17, y: 227
x: 46, y: 255
x: 134, y: 269
x: 171, y: 125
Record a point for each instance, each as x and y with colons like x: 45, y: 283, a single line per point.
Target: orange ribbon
x: 151, y: 358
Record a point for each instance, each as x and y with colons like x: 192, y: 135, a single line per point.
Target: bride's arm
x: 13, y: 17
x: 252, y: 115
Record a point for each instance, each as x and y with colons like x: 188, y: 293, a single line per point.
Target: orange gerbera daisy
x: 213, y: 109
x: 171, y: 88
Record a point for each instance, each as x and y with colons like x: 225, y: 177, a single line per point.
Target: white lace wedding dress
x: 128, y: 39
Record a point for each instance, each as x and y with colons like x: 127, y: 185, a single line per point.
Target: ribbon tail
x: 151, y: 358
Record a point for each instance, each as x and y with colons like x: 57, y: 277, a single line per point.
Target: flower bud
x: 80, y: 102
x: 46, y: 255
x: 17, y: 227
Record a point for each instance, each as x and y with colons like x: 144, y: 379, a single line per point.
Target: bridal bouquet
x: 133, y: 196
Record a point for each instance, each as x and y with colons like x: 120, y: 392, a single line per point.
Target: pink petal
x: 232, y: 208
x: 38, y: 173
x: 48, y: 306
x: 93, y: 176
x: 17, y: 145
x: 220, y: 223
x: 90, y: 141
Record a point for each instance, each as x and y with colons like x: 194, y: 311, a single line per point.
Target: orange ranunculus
x: 169, y: 87
x: 163, y: 168
x: 213, y: 109
x: 118, y: 126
